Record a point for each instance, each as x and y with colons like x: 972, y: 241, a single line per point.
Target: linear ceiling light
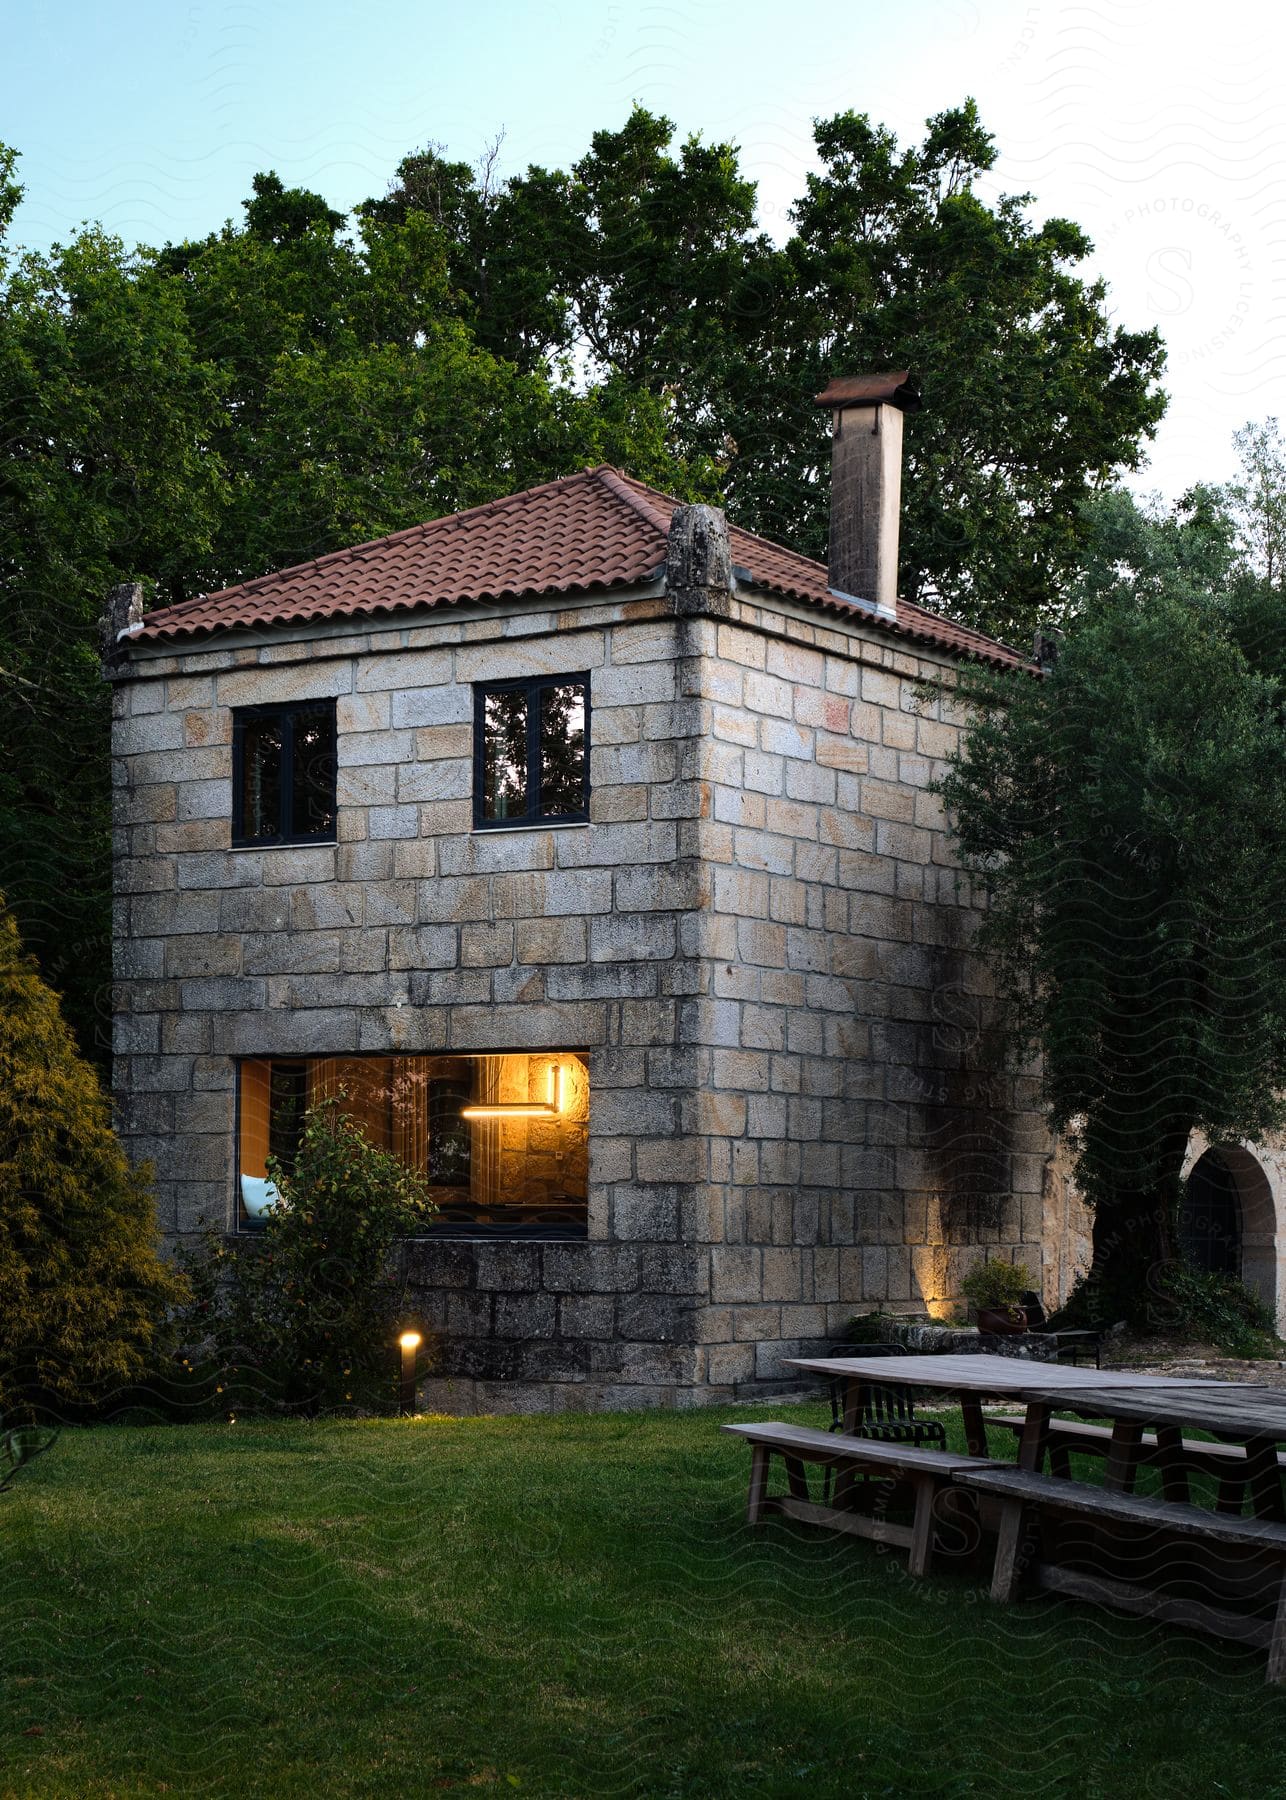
x: 523, y: 1109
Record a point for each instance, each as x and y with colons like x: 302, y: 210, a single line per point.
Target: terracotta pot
x: 1004, y: 1321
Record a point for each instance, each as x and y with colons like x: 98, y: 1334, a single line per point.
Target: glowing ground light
x: 410, y: 1342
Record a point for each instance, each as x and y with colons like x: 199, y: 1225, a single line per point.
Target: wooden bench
x: 1022, y: 1493
x: 928, y: 1472
x: 1225, y: 1462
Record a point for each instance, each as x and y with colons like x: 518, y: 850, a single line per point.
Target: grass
x: 563, y: 1606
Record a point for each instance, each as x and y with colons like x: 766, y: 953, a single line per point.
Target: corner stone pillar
x: 698, y: 563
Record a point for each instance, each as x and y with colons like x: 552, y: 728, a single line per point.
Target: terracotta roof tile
x: 590, y: 532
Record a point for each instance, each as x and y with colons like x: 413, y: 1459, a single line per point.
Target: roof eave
x: 325, y: 622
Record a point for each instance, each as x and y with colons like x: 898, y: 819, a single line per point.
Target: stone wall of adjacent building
x: 759, y: 944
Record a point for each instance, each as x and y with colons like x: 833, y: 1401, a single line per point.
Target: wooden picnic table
x: 1234, y: 1412
x: 1165, y: 1558
x: 969, y: 1379
x: 1108, y: 1544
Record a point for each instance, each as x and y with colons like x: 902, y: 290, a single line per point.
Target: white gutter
x: 881, y: 609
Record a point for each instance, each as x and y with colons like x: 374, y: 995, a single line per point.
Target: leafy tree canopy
x: 646, y: 262
x: 1127, y: 815
x: 108, y: 411
x: 298, y: 381
x: 1258, y: 500
x: 197, y: 416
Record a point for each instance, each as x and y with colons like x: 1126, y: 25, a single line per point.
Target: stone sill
x: 267, y: 849
x: 485, y: 831
x: 507, y: 1234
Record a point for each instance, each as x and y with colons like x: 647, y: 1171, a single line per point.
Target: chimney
x: 121, y: 618
x: 866, y: 484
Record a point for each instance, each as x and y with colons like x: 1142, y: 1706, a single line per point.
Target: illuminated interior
x: 502, y: 1141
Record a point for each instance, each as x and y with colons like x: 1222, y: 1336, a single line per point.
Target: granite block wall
x: 866, y: 1141
x: 413, y: 933
x: 759, y: 944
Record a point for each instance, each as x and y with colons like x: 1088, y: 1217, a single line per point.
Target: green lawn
x: 554, y: 1606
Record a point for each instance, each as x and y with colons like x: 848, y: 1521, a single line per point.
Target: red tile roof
x: 594, y: 531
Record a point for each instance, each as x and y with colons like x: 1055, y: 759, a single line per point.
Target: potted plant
x: 994, y: 1289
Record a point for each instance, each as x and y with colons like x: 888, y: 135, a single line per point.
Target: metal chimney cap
x: 892, y: 387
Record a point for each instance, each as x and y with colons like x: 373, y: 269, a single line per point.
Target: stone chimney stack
x: 121, y: 617
x: 866, y: 483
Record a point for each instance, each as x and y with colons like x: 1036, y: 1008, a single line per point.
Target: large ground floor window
x: 502, y: 1141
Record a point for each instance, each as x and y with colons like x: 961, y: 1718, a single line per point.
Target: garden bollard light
x: 410, y: 1342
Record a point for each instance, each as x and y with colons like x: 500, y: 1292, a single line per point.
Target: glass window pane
x: 450, y: 1143
x: 261, y: 779
x: 504, y: 755
x: 520, y: 1164
x: 562, y: 750
x: 313, y: 774
x: 288, y: 1100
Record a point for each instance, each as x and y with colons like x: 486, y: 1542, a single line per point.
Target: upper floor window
x: 283, y: 773
x: 531, y: 750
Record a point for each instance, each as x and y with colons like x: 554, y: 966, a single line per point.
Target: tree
x: 199, y: 416
x: 1259, y: 499
x: 357, y: 397
x: 647, y: 265
x: 85, y: 1291
x: 1032, y: 397
x: 1127, y: 817
x: 105, y: 476
x: 296, y: 383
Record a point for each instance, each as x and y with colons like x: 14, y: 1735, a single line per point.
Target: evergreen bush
x: 84, y: 1292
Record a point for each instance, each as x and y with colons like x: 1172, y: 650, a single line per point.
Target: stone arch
x: 1210, y: 1215
x: 1259, y: 1181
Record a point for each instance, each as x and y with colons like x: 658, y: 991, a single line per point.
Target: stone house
x: 586, y: 842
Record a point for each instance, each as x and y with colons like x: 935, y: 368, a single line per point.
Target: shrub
x: 303, y: 1315
x: 872, y: 1328
x: 1001, y: 1285
x: 1217, y: 1309
x: 85, y: 1290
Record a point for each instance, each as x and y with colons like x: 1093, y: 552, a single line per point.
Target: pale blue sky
x: 1160, y: 132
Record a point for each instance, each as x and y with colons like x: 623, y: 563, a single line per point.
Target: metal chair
x: 888, y: 1413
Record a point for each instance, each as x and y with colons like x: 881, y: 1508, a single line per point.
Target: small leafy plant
x: 302, y: 1316
x: 992, y: 1285
x: 1220, y: 1310
x: 20, y: 1445
x: 871, y: 1328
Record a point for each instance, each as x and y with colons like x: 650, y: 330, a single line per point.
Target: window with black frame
x: 500, y: 1139
x: 531, y: 751
x: 283, y: 774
